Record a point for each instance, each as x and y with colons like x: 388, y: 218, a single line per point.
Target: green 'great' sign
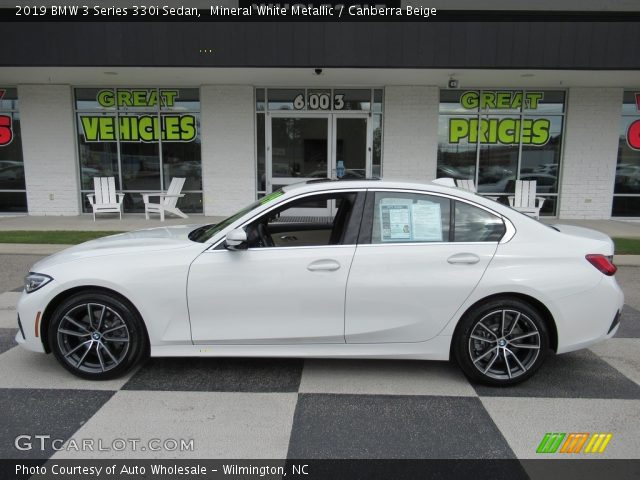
x: 139, y: 127
x: 533, y: 131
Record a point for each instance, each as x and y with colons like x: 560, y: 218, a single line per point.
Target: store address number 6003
x: 319, y: 101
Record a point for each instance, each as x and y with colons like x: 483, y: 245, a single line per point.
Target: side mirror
x: 236, y: 240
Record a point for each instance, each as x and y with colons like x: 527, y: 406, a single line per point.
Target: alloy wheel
x: 504, y: 344
x: 93, y: 338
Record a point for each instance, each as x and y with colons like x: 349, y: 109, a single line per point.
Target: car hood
x: 139, y: 241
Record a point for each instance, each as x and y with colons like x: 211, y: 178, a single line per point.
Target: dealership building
x: 242, y: 108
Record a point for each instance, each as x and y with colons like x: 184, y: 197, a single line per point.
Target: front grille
x: 20, y: 327
x: 616, y: 321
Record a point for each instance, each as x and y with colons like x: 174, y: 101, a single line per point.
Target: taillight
x: 603, y: 263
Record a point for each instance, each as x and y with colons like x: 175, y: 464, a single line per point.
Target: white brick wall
x: 410, y: 133
x: 50, y: 159
x: 228, y: 156
x: 590, y: 152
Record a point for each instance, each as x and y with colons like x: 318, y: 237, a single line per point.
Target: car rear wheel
x: 501, y: 342
x: 97, y: 336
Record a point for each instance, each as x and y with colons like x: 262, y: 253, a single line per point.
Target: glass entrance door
x: 311, y: 146
x: 299, y: 149
x: 351, y: 157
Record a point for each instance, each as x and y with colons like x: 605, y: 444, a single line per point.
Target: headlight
x: 34, y: 281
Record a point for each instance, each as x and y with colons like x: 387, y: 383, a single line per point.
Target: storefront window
x: 143, y: 137
x: 495, y: 137
x: 13, y: 195
x: 626, y: 198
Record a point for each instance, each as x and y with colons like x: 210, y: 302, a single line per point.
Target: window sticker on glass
x: 395, y: 222
x: 426, y: 223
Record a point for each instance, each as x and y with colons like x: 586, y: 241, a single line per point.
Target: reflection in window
x: 626, y: 199
x: 299, y: 147
x: 13, y: 196
x: 97, y: 159
x: 498, y: 161
x: 495, y: 137
x: 376, y: 157
x: 472, y: 224
x: 260, y: 154
x: 144, y: 137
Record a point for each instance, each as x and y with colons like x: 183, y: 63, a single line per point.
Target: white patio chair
x: 525, y: 199
x: 167, y: 201
x: 105, y: 199
x: 470, y: 186
x: 445, y: 181
x: 467, y: 185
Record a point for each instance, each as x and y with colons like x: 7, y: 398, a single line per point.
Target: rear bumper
x: 615, y: 324
x: 589, y: 317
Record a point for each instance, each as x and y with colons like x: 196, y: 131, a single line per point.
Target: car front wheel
x: 97, y: 336
x: 501, y: 342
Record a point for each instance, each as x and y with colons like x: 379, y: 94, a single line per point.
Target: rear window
x: 473, y: 224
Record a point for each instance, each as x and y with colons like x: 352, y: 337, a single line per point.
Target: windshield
x: 204, y: 233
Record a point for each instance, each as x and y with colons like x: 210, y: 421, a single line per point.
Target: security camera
x: 453, y: 83
x: 318, y: 71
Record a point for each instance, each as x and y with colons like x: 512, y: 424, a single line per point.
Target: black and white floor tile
x: 291, y: 408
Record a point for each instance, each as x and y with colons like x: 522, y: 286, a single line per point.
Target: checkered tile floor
x: 267, y: 408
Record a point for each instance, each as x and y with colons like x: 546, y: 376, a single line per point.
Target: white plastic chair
x: 467, y: 185
x: 445, y: 181
x: 105, y: 199
x: 167, y: 201
x: 525, y: 199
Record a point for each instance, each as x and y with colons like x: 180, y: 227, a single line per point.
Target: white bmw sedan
x: 366, y: 269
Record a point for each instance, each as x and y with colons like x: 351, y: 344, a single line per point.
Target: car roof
x: 328, y: 184
x: 320, y: 185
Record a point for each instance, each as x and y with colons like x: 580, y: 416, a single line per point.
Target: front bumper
x: 30, y: 309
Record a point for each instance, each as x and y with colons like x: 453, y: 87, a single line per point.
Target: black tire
x: 506, y: 358
x: 103, y: 346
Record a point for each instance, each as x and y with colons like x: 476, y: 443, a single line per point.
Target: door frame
x: 332, y: 120
x: 334, y: 144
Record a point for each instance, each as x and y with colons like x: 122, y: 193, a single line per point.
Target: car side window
x: 298, y: 224
x: 400, y: 217
x: 473, y: 224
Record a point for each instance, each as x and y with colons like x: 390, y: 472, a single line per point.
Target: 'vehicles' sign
x: 533, y: 131
x: 139, y: 127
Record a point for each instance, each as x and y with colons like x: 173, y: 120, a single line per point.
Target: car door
x: 279, y: 294
x: 418, y: 258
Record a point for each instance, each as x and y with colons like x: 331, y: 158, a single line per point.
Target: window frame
x: 366, y: 227
x: 352, y: 229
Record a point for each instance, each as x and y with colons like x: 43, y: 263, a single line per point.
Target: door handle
x: 324, y: 265
x: 463, y: 258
